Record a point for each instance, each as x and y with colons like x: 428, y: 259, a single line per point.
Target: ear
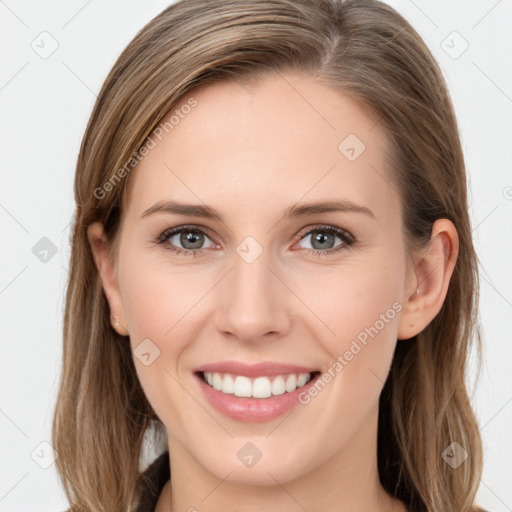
x: 428, y: 279
x: 101, y: 250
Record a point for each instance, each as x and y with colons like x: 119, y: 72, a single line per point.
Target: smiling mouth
x: 259, y: 387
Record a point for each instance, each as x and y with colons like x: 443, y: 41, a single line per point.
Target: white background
x: 45, y: 104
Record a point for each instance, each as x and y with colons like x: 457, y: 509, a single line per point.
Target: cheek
x: 354, y: 297
x: 359, y: 308
x: 162, y: 304
x: 158, y: 299
x: 158, y: 336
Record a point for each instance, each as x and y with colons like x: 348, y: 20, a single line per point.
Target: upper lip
x: 266, y: 368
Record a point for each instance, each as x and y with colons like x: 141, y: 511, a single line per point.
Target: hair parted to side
x: 366, y: 50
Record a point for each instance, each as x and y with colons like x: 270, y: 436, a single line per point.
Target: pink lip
x: 253, y: 410
x: 264, y: 369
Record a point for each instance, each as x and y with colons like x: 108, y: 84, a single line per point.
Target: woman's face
x: 260, y: 276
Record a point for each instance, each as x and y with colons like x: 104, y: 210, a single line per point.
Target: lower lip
x: 252, y: 410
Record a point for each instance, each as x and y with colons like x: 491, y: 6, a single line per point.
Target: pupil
x: 321, y: 238
x: 193, y: 238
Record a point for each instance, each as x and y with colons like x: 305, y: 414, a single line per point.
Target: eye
x: 192, y: 240
x: 185, y: 240
x: 326, y: 240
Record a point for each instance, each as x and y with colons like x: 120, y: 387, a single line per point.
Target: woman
x: 272, y: 269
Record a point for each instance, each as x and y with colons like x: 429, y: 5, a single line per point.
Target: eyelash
x: 348, y: 240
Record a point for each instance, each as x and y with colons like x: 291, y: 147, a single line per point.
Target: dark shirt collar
x: 152, y: 482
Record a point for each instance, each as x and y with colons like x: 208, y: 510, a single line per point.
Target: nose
x: 253, y: 302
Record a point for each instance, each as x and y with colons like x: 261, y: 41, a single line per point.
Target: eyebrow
x: 197, y: 210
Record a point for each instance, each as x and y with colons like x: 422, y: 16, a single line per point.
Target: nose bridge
x: 253, y: 303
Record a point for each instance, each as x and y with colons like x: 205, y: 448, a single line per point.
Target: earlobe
x: 106, y: 268
x: 429, y: 279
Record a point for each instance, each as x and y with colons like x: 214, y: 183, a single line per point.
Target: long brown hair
x: 366, y: 50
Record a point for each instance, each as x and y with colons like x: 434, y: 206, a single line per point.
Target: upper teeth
x: 260, y: 387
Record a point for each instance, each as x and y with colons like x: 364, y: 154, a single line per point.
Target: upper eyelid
x: 190, y: 227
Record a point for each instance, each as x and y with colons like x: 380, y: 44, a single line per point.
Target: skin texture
x: 250, y: 153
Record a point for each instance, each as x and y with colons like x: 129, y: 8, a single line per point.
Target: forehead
x: 286, y: 138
